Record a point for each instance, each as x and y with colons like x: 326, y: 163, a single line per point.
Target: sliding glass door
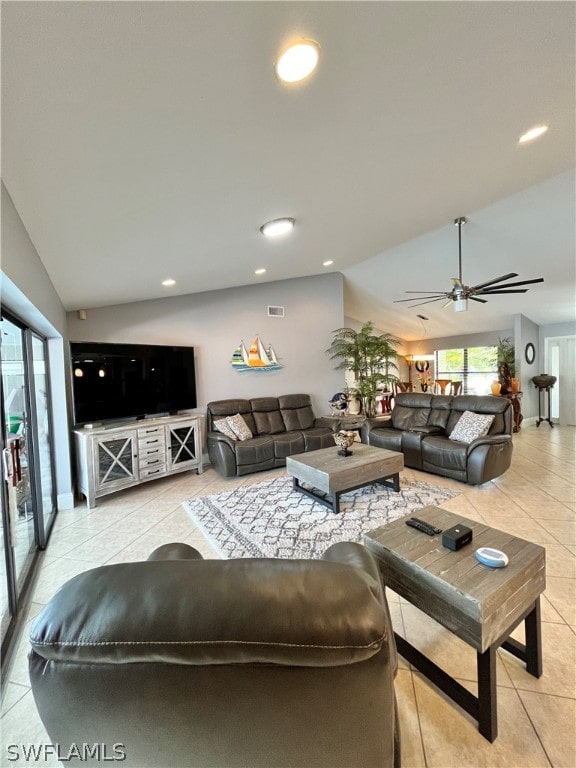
x: 28, y: 499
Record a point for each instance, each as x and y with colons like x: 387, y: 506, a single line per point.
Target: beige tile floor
x: 535, y: 499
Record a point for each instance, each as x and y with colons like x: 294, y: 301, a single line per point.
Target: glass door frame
x: 41, y: 529
x: 18, y: 593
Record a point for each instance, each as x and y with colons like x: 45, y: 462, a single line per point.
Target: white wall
x: 27, y: 292
x: 215, y: 322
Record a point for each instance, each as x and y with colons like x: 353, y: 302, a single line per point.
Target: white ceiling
x: 146, y: 140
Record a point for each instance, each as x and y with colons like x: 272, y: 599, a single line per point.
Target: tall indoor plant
x: 369, y: 357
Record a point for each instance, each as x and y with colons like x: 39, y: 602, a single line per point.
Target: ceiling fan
x: 460, y: 293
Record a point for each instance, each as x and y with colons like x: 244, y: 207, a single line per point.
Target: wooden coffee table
x: 481, y: 605
x: 329, y: 473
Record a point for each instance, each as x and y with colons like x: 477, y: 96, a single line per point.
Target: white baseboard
x: 526, y: 422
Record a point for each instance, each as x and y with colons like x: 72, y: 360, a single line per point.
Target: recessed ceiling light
x: 277, y: 227
x: 169, y: 282
x: 298, y: 61
x: 259, y: 271
x: 532, y: 134
x: 327, y: 263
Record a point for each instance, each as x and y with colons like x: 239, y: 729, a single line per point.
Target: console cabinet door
x: 184, y: 446
x: 115, y: 461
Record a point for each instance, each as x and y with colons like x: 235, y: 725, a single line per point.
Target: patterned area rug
x: 270, y: 519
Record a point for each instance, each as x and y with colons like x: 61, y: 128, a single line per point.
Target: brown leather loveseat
x: 422, y: 428
x: 250, y: 663
x: 280, y: 427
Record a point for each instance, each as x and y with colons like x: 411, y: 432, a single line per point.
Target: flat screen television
x: 122, y: 381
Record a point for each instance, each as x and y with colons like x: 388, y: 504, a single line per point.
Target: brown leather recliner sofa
x: 420, y: 427
x: 281, y: 426
x: 250, y: 663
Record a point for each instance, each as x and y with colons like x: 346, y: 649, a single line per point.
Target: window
x: 476, y: 367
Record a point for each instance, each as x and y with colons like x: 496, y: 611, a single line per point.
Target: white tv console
x: 120, y: 455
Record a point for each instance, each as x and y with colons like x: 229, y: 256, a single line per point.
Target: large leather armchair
x: 251, y: 663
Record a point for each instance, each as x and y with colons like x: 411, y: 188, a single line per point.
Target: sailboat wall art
x: 257, y: 358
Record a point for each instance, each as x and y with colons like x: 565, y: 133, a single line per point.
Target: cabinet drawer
x: 153, y: 459
x: 144, y: 433
x: 151, y: 442
x: 157, y: 449
x: 152, y: 470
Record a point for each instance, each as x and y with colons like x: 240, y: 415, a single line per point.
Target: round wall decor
x: 530, y: 353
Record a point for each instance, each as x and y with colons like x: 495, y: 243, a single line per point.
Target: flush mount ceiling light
x: 169, y: 282
x: 259, y: 271
x: 532, y: 134
x: 327, y: 263
x: 277, y: 227
x: 298, y: 61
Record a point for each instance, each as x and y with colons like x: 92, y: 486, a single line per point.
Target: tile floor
x: 535, y: 499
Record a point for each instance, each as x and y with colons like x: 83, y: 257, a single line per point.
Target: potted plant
x: 369, y: 357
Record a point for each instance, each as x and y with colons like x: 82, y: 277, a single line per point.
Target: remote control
x: 423, y: 526
x: 491, y: 557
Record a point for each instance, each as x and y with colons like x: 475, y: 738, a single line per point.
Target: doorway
x: 560, y: 361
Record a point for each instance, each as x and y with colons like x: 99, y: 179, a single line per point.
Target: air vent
x: 275, y: 311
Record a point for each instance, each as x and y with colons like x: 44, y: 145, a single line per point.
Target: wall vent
x: 275, y: 311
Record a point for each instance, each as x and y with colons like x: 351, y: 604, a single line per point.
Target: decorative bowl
x: 544, y: 380
x: 344, y: 440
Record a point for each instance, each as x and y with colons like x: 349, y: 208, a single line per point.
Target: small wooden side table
x: 515, y: 398
x: 480, y: 605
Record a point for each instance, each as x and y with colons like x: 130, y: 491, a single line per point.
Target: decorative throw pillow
x: 239, y: 427
x: 222, y: 426
x: 471, y: 426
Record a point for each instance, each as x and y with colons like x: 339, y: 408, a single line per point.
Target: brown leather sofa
x: 420, y: 427
x: 281, y: 426
x: 251, y: 663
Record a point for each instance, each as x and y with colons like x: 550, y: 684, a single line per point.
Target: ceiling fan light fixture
x: 460, y: 305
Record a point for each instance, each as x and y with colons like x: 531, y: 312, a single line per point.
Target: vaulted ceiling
x: 147, y: 140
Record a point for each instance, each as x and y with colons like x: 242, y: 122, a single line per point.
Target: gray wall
x: 215, y: 322
x: 526, y: 332
x: 28, y: 293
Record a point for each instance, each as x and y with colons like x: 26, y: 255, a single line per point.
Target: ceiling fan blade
x: 434, y: 293
x: 495, y: 280
x: 456, y: 282
x: 450, y: 301
x: 476, y: 299
x: 435, y: 297
x: 497, y: 293
x: 519, y: 282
